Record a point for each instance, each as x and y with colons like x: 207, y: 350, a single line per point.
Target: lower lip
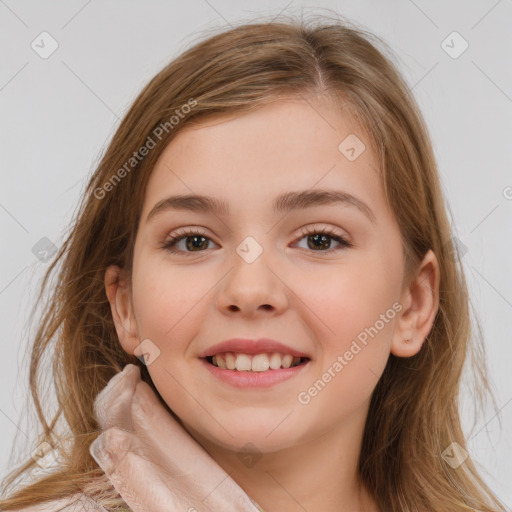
x: 249, y: 379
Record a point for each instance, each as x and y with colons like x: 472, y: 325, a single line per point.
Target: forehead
x: 247, y: 158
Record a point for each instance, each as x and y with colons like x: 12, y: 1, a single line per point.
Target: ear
x: 118, y: 290
x: 420, y: 301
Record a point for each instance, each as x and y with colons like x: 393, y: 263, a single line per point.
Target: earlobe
x: 421, y: 303
x: 118, y: 292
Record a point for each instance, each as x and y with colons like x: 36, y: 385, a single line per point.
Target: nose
x: 253, y: 288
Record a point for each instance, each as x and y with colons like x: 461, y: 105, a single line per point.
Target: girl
x: 260, y: 305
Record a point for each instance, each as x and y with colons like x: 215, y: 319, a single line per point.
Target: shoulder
x: 75, y: 503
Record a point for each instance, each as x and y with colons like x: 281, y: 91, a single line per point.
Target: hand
x: 152, y: 461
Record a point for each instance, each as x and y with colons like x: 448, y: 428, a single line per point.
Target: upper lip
x: 248, y: 346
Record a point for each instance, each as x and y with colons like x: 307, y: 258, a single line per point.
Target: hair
x: 414, y: 411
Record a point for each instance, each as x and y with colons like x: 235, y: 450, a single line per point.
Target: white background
x: 57, y: 114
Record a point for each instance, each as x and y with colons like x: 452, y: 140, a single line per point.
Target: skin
x: 317, y: 300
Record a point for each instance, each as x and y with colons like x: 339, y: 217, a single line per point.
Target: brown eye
x: 321, y: 240
x: 193, y: 242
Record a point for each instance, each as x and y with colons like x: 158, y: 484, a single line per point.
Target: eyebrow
x: 286, y: 202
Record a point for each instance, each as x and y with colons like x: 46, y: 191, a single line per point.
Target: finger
x: 140, y: 482
x: 112, y: 406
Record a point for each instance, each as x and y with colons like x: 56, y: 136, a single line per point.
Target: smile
x: 254, y: 362
x: 247, y: 377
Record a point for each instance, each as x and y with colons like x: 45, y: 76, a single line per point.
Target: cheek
x: 351, y: 296
x: 357, y: 322
x: 166, y: 300
x: 354, y: 309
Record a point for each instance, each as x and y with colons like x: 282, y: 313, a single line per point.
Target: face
x: 322, y: 277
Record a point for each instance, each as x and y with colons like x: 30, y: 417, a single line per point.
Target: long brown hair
x: 414, y: 415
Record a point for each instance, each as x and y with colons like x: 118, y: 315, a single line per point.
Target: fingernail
x: 98, y: 452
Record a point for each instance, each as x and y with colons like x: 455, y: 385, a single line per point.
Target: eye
x: 194, y: 241
x: 320, y: 239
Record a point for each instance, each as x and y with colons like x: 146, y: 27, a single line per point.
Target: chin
x: 247, y: 436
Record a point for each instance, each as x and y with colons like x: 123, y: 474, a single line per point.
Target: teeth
x: 243, y: 362
x: 260, y: 363
x: 287, y: 361
x: 230, y: 361
x: 275, y: 361
x: 255, y: 363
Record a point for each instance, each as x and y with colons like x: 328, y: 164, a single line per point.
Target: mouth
x: 255, y: 371
x: 259, y: 363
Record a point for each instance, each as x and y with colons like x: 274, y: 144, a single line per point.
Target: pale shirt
x: 146, y: 438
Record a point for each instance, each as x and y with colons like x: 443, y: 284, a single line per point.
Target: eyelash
x: 172, y: 240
